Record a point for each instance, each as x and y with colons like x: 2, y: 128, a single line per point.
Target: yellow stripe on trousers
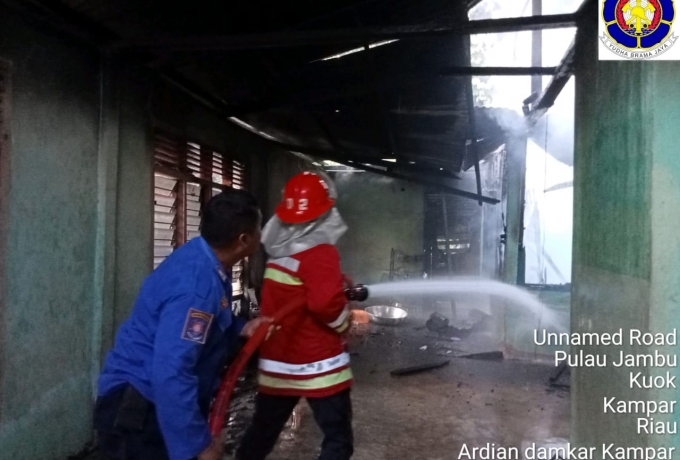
x: 281, y: 277
x: 317, y: 383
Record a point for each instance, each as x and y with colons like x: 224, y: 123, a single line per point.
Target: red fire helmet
x: 305, y: 198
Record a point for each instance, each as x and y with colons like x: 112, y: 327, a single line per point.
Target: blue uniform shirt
x: 171, y: 347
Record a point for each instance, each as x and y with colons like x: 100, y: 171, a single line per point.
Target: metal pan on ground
x: 389, y: 316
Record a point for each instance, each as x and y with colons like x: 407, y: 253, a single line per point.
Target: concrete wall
x: 78, y: 224
x: 51, y: 218
x: 626, y: 261
x: 134, y: 193
x: 382, y: 214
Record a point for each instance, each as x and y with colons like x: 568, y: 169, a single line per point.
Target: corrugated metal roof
x: 386, y: 102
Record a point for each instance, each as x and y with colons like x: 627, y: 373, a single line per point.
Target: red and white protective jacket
x: 307, y: 356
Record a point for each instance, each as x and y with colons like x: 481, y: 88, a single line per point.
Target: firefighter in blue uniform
x: 155, y: 390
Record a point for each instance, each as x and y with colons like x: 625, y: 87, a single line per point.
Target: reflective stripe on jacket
x: 307, y: 356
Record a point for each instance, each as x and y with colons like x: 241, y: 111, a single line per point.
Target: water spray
x: 360, y: 293
x: 513, y: 295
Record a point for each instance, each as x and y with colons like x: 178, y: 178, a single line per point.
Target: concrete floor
x: 426, y: 416
x: 429, y: 416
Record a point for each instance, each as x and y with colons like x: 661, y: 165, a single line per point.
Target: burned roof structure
x: 383, y: 85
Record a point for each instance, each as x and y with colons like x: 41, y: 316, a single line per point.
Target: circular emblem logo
x: 638, y: 29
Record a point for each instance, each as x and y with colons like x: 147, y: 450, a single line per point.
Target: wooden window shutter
x: 165, y: 217
x: 193, y: 219
x: 167, y: 152
x: 238, y: 175
x: 186, y: 175
x: 169, y: 202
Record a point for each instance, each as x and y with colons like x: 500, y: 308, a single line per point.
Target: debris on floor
x: 561, y: 377
x: 241, y: 408
x: 444, y: 339
x: 437, y: 322
x: 440, y: 325
x: 487, y: 356
x: 419, y: 368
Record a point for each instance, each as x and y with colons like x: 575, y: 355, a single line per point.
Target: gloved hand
x: 644, y: 3
x: 252, y: 325
x: 627, y: 15
x: 650, y: 15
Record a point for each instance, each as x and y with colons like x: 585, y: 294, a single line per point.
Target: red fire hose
x: 221, y: 404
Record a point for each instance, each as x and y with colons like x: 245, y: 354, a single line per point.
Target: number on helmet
x: 303, y: 205
x: 290, y: 203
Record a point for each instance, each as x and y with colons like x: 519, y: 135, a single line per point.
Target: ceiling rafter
x: 351, y: 35
x: 547, y: 99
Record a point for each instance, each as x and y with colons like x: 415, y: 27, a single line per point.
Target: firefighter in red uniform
x: 307, y: 356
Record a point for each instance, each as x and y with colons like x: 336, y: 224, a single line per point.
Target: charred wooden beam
x: 315, y: 96
x: 536, y: 47
x: 341, y: 153
x: 196, y: 92
x: 347, y: 154
x: 419, y: 180
x: 418, y: 368
x: 564, y: 72
x: 463, y: 71
x: 340, y: 156
x: 353, y: 35
x: 472, y: 123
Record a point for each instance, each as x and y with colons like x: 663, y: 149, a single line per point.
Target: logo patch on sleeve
x: 196, y: 326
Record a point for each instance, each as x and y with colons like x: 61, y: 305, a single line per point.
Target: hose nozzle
x: 358, y: 293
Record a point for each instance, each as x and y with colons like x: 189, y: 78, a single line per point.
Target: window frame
x: 195, y: 163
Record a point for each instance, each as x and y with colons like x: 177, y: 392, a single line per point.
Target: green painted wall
x: 79, y: 224
x: 626, y: 264
x: 134, y: 219
x: 664, y: 304
x: 381, y: 214
x: 52, y: 211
